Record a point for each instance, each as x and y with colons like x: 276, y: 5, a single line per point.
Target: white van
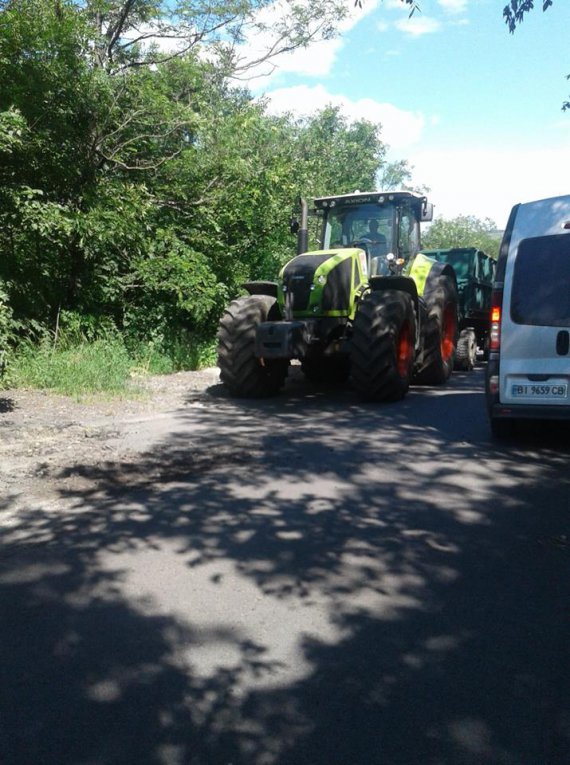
x: 528, y: 374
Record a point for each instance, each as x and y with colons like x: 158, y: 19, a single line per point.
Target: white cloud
x: 488, y: 182
x: 417, y: 25
x: 453, y: 6
x: 400, y: 129
x: 395, y: 5
x: 315, y: 61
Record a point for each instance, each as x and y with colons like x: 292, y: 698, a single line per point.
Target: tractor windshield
x: 370, y: 226
x: 346, y: 225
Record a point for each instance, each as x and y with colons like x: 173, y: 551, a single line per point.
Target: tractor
x: 368, y: 305
x: 475, y: 272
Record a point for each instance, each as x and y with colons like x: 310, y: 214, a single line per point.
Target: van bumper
x: 499, y: 411
x: 525, y: 412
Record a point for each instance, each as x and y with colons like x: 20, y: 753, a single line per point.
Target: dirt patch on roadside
x: 43, y: 434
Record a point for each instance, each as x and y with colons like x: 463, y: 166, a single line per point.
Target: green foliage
x: 7, y: 329
x: 12, y: 126
x: 138, y: 189
x: 171, y: 288
x: 463, y: 231
x: 189, y: 350
x: 337, y: 156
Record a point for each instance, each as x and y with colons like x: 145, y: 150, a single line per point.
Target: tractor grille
x: 301, y: 289
x: 298, y: 277
x: 336, y: 294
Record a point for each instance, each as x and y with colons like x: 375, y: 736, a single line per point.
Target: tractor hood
x: 324, y: 282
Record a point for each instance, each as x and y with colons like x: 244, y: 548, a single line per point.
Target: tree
x: 336, y: 156
x: 142, y: 188
x: 515, y: 12
x: 135, y: 33
x: 398, y: 175
x: 463, y: 231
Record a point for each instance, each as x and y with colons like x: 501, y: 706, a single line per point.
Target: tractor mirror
x: 426, y: 213
x: 294, y: 226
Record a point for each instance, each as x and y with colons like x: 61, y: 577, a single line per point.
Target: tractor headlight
x: 321, y: 279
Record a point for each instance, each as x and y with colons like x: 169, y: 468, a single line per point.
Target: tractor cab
x: 385, y: 225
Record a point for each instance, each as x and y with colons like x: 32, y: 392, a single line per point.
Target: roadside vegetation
x: 464, y: 231
x: 140, y: 184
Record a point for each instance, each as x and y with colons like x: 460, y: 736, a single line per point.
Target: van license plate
x: 539, y: 390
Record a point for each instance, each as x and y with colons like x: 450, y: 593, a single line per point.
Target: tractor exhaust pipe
x: 303, y: 232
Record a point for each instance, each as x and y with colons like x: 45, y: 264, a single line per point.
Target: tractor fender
x: 261, y: 288
x: 401, y: 283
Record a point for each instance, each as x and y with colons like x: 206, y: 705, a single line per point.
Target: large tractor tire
x: 241, y: 371
x: 466, y: 352
x: 439, y: 333
x: 383, y: 346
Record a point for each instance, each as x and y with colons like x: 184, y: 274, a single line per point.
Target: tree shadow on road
x: 304, y: 580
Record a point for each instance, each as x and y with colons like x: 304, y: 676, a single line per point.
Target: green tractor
x: 368, y: 305
x: 475, y: 272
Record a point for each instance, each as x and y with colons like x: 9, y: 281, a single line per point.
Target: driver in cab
x: 378, y: 240
x: 378, y: 249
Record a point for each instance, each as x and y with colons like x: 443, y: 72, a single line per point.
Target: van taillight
x: 495, y: 331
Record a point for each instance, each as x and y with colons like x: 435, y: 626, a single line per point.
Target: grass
x: 190, y: 352
x: 103, y: 366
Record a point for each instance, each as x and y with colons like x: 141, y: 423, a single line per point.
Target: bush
x: 188, y: 351
x: 6, y: 330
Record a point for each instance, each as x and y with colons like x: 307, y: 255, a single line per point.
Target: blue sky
x: 475, y: 110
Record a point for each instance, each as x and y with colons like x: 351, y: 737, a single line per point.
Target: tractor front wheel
x: 383, y: 346
x: 241, y: 371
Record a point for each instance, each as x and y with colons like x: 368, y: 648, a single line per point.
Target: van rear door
x: 535, y: 334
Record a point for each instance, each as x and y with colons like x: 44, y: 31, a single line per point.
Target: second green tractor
x: 368, y: 305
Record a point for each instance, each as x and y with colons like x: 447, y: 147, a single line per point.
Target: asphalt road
x: 302, y: 580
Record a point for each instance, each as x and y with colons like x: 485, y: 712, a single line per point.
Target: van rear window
x: 541, y: 282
